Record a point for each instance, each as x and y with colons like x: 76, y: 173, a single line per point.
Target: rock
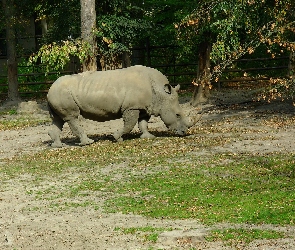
x: 30, y: 107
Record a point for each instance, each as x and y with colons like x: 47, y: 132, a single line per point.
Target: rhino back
x: 112, y: 90
x: 105, y: 95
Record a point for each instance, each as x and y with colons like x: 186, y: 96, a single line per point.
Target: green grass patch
x: 69, y: 205
x: 9, y: 112
x: 248, y: 190
x: 20, y: 123
x: 149, y: 233
x: 243, y: 236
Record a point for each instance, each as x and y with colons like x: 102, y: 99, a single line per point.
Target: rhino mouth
x: 179, y: 132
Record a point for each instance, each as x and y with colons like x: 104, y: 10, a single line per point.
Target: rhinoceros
x: 133, y: 93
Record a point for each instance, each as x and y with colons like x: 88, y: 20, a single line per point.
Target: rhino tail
x: 51, y: 112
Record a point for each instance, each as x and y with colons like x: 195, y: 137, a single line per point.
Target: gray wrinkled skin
x: 133, y: 94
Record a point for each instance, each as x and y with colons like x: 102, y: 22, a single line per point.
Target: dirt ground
x: 24, y: 227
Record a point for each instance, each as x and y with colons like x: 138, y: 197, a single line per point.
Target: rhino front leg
x: 143, y: 126
x: 130, y: 118
x: 78, y: 131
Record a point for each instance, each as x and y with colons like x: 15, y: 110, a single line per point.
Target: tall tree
x: 10, y: 19
x: 202, y: 88
x: 88, y: 26
x: 120, y: 26
x: 236, y: 28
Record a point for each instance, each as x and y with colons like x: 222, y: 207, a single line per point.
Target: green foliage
x: 56, y: 55
x: 63, y: 18
x: 29, y: 74
x: 164, y: 15
x: 118, y: 28
x: 278, y: 89
x: 237, y: 28
x: 31, y: 77
x: 117, y: 34
x: 234, y: 28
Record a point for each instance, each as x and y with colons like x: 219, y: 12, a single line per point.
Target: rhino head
x: 171, y: 112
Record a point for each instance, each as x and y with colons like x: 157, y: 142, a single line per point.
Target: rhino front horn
x: 194, y: 120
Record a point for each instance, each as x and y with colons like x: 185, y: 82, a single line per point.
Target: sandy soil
x: 23, y: 226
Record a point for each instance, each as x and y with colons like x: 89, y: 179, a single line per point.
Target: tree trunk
x: 292, y: 67
x: 88, y: 24
x: 8, y: 6
x: 44, y: 26
x: 202, y: 85
x: 126, y: 60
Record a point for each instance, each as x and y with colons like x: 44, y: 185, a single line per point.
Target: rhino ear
x: 177, y: 88
x: 167, y: 88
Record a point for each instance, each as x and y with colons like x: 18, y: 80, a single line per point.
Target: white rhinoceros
x: 134, y: 93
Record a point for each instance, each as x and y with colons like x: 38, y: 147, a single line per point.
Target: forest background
x: 209, y: 34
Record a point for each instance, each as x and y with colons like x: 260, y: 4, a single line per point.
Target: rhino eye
x: 178, y: 116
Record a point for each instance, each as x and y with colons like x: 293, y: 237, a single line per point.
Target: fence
x: 33, y: 81
x: 32, y: 86
x: 164, y: 58
x: 282, y: 67
x: 256, y: 69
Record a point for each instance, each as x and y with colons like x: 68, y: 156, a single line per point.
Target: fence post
x: 148, y: 51
x: 292, y: 66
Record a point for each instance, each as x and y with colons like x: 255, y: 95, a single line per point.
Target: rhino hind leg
x: 78, y: 131
x: 143, y: 126
x: 54, y: 133
x: 130, y: 118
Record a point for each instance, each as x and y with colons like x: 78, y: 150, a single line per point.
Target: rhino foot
x: 56, y: 145
x: 147, y: 136
x: 118, y: 139
x: 86, y: 142
x: 118, y: 136
x: 54, y: 135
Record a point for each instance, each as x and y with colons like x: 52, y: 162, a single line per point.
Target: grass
x: 244, y: 191
x: 149, y: 233
x: 103, y: 153
x: 243, y: 236
x: 9, y: 112
x: 18, y: 122
x: 221, y: 188
x: 166, y: 178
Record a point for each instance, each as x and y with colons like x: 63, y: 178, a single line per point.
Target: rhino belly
x: 98, y: 106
